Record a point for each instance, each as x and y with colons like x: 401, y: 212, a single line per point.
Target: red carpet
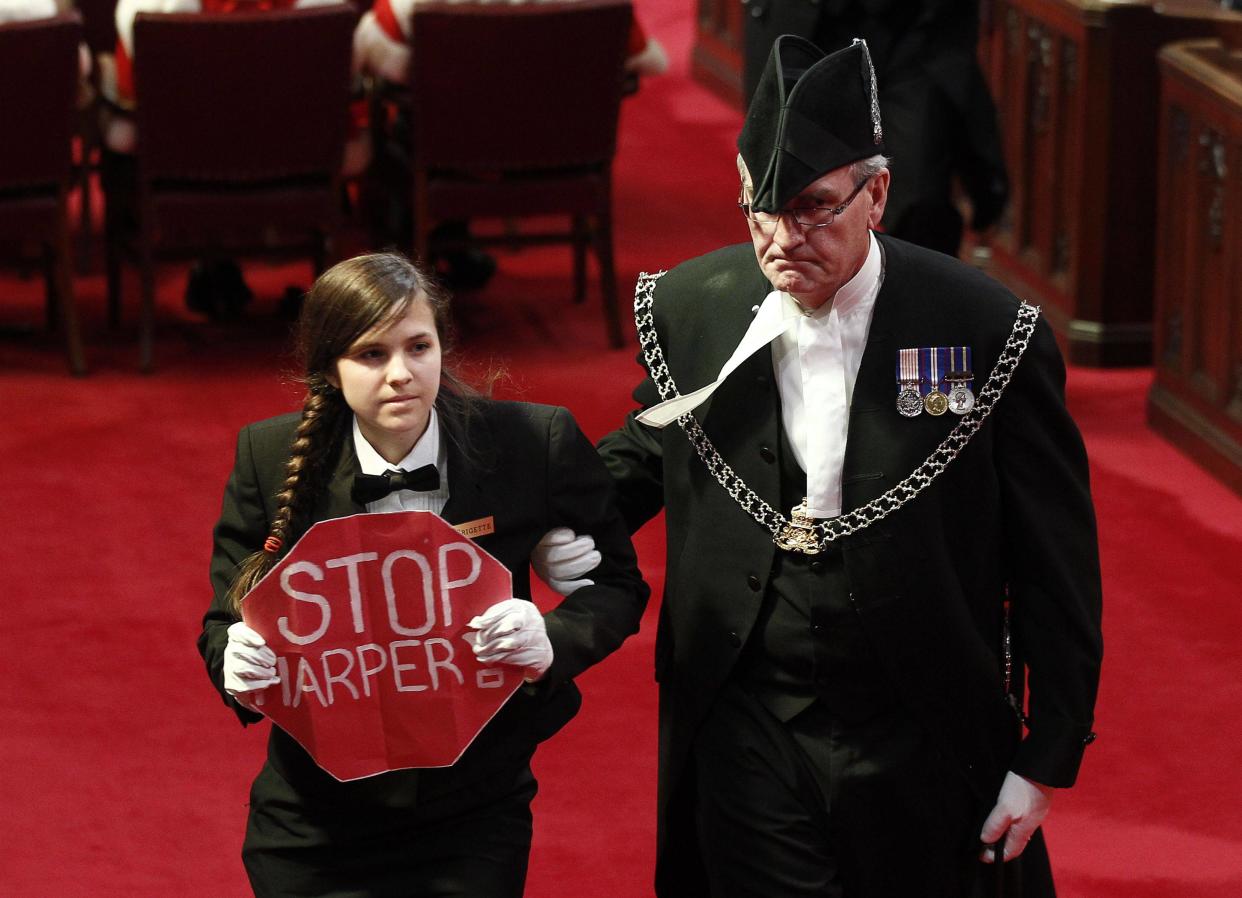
x: 125, y: 776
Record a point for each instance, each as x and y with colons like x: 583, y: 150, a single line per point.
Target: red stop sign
x: 367, y: 617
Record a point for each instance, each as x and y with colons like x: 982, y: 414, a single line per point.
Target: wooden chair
x: 514, y: 113
x: 242, y: 121
x: 98, y: 24
x: 38, y: 93
x: 99, y: 34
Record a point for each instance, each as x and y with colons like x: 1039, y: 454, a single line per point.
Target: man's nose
x: 788, y: 232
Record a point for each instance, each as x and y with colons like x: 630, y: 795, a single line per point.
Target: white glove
x: 513, y: 632
x: 249, y: 665
x: 561, y: 557
x: 1020, y: 808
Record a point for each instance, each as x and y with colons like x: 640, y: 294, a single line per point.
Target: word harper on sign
x: 367, y: 616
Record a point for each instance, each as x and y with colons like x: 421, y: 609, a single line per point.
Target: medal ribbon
x: 960, y: 363
x: 907, y: 366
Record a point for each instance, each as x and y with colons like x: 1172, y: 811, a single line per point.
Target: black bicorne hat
x: 811, y: 113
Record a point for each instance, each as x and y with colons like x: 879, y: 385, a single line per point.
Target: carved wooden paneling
x: 1196, y: 399
x: 1076, y: 90
x: 716, y: 61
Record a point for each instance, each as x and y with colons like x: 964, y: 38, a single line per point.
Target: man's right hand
x: 562, y: 557
x: 249, y: 666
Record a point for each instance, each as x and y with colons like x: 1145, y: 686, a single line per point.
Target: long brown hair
x: 345, y: 302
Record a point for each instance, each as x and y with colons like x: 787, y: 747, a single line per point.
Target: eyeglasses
x: 806, y: 216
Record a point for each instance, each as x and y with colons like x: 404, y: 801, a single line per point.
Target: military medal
x: 935, y: 402
x: 909, y: 399
x: 961, y: 397
x: 799, y: 534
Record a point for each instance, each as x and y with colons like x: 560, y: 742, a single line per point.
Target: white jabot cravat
x: 816, y: 355
x: 770, y: 320
x: 429, y: 450
x: 816, y: 363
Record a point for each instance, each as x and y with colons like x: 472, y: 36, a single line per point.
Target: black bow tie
x: 372, y: 487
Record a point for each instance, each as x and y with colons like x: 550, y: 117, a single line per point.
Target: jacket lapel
x: 338, y: 503
x: 871, y: 463
x: 882, y: 446
x: 742, y: 419
x: 467, y: 476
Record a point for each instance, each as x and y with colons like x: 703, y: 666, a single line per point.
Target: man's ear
x: 877, y: 187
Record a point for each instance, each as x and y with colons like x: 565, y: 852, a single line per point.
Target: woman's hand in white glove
x: 249, y: 665
x: 513, y: 632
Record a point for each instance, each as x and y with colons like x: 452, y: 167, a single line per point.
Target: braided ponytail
x: 315, y: 444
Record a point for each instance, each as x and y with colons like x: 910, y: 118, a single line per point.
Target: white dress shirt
x: 816, y: 361
x: 429, y: 450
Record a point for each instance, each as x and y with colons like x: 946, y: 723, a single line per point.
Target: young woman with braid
x: 371, y: 338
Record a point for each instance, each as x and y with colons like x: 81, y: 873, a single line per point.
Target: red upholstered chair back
x: 38, y: 117
x: 242, y: 120
x: 244, y: 96
x: 99, y: 22
x: 514, y: 113
x: 504, y: 87
x: 38, y: 90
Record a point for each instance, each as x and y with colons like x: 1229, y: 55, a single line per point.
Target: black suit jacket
x: 530, y: 468
x: 1011, y: 515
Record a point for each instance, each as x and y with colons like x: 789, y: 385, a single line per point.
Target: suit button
x: 735, y: 640
x: 817, y: 628
x: 762, y: 379
x: 1088, y: 739
x: 767, y: 454
x: 754, y: 583
x: 817, y: 567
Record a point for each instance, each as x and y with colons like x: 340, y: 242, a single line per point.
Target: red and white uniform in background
x: 126, y: 10
x: 26, y: 10
x: 119, y: 132
x: 29, y: 10
x: 381, y: 41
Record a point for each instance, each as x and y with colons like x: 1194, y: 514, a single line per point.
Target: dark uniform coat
x: 531, y: 469
x: 1011, y: 515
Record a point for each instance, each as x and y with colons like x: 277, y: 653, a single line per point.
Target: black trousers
x: 461, y: 839
x: 820, y: 807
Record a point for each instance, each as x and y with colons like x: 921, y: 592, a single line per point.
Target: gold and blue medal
x: 931, y: 360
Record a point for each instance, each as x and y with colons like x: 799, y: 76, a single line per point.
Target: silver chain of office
x: 832, y: 529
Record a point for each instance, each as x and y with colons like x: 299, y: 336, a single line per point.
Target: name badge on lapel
x: 476, y: 528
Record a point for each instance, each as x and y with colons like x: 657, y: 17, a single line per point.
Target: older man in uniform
x: 878, y: 521
x: 940, y: 123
